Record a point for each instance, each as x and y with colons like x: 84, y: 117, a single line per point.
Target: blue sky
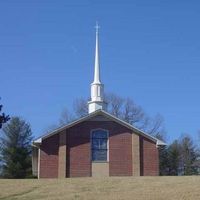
x: 149, y: 52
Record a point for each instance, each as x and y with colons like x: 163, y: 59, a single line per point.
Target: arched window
x: 99, y: 145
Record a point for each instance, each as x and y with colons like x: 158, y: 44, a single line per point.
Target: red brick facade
x: 78, y: 152
x: 149, y: 158
x: 120, y: 150
x: 49, y: 157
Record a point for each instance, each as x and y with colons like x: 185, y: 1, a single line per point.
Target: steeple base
x: 96, y: 105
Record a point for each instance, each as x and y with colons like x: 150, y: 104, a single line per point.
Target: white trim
x: 38, y: 163
x: 38, y: 141
x: 91, y: 131
x: 160, y: 143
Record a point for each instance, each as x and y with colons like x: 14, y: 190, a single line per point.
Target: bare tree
x: 132, y: 113
x: 155, y: 127
x: 115, y: 104
x: 65, y: 117
x: 188, y: 154
x: 80, y: 107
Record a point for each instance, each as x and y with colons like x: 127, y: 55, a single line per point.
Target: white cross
x: 97, y: 27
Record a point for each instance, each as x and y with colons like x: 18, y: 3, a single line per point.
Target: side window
x: 99, y: 145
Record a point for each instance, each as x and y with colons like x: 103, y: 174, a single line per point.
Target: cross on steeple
x: 97, y: 27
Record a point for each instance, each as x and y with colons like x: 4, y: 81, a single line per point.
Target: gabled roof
x: 93, y: 114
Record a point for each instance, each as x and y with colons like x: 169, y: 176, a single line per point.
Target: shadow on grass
x: 16, y: 196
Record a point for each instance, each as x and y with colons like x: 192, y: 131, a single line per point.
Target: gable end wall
x: 78, y: 152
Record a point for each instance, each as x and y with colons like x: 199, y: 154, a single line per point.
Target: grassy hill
x: 115, y: 188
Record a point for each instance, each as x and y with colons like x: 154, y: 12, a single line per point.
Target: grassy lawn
x: 115, y: 188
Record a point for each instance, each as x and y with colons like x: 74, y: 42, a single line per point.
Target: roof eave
x: 158, y: 142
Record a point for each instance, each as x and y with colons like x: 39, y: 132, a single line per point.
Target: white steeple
x: 97, y: 88
x: 96, y: 67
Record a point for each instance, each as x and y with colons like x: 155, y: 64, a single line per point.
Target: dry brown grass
x: 137, y: 188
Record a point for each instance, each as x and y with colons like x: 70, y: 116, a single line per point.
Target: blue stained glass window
x: 99, y: 145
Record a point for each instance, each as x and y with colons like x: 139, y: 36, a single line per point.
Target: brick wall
x: 49, y: 157
x: 78, y: 152
x: 120, y: 150
x: 62, y: 154
x: 149, y: 159
x: 136, y: 154
x: 78, y: 143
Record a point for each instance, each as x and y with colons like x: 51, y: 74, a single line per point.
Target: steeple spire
x: 97, y: 87
x: 97, y: 67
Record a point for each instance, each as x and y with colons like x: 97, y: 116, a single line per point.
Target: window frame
x: 91, y: 148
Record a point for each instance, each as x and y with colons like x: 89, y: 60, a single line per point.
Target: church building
x: 96, y: 145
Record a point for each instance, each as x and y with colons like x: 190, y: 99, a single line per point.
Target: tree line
x: 180, y: 157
